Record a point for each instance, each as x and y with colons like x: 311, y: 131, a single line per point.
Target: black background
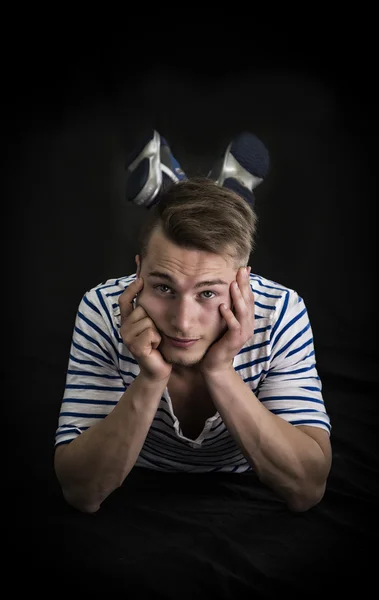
x: 71, y: 113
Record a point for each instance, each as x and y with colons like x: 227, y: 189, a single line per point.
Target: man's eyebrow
x: 207, y: 283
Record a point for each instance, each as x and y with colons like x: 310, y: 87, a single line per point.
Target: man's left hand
x: 240, y: 325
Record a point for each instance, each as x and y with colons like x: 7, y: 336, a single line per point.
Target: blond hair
x: 199, y: 214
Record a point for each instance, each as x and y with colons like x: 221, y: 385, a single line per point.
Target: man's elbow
x: 80, y: 504
x: 305, y: 500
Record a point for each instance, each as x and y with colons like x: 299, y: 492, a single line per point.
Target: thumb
x: 155, y: 340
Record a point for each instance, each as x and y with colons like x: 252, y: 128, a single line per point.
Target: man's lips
x: 182, y: 339
x: 182, y: 342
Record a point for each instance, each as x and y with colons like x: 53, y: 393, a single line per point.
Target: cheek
x: 213, y: 326
x: 150, y: 304
x: 214, y: 308
x: 211, y: 317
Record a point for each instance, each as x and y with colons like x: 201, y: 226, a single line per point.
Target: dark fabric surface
x: 67, y: 135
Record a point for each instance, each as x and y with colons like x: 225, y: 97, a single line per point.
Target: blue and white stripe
x: 278, y: 365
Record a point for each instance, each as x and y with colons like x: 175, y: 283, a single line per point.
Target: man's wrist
x: 219, y: 372
x: 149, y: 380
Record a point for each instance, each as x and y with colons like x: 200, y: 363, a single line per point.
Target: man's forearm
x: 284, y: 457
x: 94, y: 464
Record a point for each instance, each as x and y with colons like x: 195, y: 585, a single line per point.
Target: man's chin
x: 181, y: 358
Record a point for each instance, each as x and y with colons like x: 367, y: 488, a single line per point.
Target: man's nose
x: 184, y: 314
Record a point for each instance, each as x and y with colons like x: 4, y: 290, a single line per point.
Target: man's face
x: 182, y: 292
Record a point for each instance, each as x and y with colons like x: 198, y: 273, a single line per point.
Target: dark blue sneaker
x: 243, y: 166
x: 150, y: 168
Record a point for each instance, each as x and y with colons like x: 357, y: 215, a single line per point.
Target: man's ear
x: 138, y: 263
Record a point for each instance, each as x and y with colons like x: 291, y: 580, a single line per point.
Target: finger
x: 230, y: 318
x: 126, y: 298
x: 238, y: 300
x: 135, y: 329
x: 243, y: 280
x: 147, y: 341
x: 137, y: 314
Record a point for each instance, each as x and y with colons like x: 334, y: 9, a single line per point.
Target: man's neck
x: 188, y: 374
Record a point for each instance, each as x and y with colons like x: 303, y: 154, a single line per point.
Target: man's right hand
x: 141, y: 336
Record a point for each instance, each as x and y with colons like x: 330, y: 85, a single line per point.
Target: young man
x: 193, y: 363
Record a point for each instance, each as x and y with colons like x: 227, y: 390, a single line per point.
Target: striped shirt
x: 278, y: 364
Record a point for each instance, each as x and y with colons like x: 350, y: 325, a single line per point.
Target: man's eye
x: 208, y: 294
x: 163, y: 288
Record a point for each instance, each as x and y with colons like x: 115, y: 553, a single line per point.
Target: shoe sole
x: 229, y: 167
x: 244, y: 154
x: 145, y: 174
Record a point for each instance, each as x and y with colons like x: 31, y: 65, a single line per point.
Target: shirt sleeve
x: 292, y: 388
x: 94, y: 383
